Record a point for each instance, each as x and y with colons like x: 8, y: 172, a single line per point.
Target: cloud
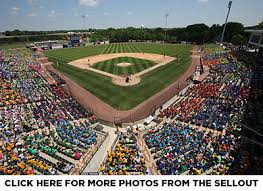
x: 31, y: 14
x: 52, y: 13
x: 33, y: 1
x: 84, y: 16
x: 106, y: 13
x: 89, y: 3
x: 13, y: 13
x: 202, y: 1
x: 15, y: 8
x: 130, y: 13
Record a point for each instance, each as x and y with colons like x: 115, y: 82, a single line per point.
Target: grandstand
x: 46, y: 45
x: 130, y: 101
x: 44, y: 130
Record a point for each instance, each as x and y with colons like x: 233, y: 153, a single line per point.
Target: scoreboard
x: 74, y: 39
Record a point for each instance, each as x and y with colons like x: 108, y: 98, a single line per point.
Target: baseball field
x: 127, y: 65
x: 123, y: 97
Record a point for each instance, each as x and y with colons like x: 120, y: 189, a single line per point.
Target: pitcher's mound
x: 124, y: 64
x: 121, y: 81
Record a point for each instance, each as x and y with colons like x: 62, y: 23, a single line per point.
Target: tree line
x: 196, y: 33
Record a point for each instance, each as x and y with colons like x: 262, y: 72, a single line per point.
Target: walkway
x: 98, y: 158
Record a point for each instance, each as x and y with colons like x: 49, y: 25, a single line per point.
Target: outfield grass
x: 12, y: 46
x: 123, y: 98
x: 110, y: 66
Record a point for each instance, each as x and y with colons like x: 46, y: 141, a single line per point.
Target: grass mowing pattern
x: 110, y: 66
x: 123, y: 98
x: 120, y: 48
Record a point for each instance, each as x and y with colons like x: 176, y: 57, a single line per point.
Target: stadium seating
x: 185, y: 144
x: 43, y: 130
x: 126, y: 158
x: 216, y: 100
x: 178, y: 149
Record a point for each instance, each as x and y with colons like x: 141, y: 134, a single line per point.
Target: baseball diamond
x: 112, y: 87
x: 98, y: 84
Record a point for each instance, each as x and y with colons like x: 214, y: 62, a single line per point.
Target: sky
x: 83, y: 14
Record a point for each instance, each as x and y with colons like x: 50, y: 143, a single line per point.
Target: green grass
x: 123, y: 98
x: 12, y: 46
x: 111, y: 66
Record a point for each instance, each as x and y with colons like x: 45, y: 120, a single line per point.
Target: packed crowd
x: 43, y: 130
x: 180, y: 149
x: 59, y: 80
x: 126, y: 158
x: 213, y: 56
x: 250, y: 159
x: 186, y: 143
x: 216, y: 101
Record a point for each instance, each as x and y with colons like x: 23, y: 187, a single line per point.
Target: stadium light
x: 165, y: 27
x: 223, y: 33
x: 143, y: 32
x: 83, y: 18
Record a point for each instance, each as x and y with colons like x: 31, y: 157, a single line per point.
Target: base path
x: 105, y: 112
x: 87, y: 62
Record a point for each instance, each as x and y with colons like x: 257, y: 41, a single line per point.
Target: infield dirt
x: 87, y: 62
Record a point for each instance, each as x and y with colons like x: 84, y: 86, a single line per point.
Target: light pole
x: 143, y: 33
x: 165, y: 27
x: 83, y: 19
x: 223, y: 33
